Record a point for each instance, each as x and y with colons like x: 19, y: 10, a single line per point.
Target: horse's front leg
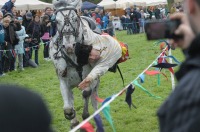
x: 92, y: 90
x: 86, y: 94
x: 68, y: 99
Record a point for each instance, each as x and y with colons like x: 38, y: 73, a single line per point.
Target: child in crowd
x: 19, y: 48
x: 98, y: 21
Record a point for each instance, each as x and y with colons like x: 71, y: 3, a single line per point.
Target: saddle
x: 92, y: 25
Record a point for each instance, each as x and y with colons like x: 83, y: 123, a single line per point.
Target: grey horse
x: 62, y: 52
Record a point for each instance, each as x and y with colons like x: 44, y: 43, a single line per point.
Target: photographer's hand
x: 184, y: 30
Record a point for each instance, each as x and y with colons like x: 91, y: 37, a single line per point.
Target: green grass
x: 143, y: 119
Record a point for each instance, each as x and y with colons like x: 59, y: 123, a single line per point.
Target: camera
x: 162, y: 29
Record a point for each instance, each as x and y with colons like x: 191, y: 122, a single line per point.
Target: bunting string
x: 113, y: 97
x: 11, y: 50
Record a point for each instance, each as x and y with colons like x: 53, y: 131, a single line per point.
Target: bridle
x: 62, y: 33
x: 74, y: 31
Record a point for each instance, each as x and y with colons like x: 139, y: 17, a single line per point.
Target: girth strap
x: 79, y: 69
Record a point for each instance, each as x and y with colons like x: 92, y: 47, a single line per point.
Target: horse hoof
x: 74, y: 124
x: 85, y: 116
x: 69, y: 114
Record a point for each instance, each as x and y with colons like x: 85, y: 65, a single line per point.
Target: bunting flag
x: 142, y: 77
x: 128, y: 98
x: 98, y: 121
x: 106, y: 112
x: 171, y: 56
x: 158, y: 79
x: 164, y: 65
x: 152, y: 73
x: 145, y: 90
x: 98, y: 99
x: 88, y: 127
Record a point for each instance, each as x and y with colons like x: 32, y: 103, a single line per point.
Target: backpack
x: 1, y: 34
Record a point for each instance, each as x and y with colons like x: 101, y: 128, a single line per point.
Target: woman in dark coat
x: 35, y: 30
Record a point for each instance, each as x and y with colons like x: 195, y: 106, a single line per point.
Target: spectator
x: 86, y: 13
x: 35, y: 31
x: 105, y: 20
x: 49, y: 12
x: 129, y: 24
x: 14, y: 12
x: 45, y: 34
x: 8, y: 6
x: 94, y: 17
x: 23, y: 111
x: 97, y: 12
x: 157, y: 13
x: 180, y: 112
x: 11, y: 40
x: 123, y: 18
x: 27, y: 55
x: 98, y: 21
x: 142, y: 21
x: 1, y: 45
x: 133, y: 18
x: 27, y: 20
x: 19, y: 48
x: 110, y: 27
x: 138, y: 14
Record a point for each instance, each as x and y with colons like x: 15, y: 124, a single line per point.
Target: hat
x: 22, y: 110
x: 29, y: 15
x: 8, y: 14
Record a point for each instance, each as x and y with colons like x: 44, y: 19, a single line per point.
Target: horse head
x: 68, y: 23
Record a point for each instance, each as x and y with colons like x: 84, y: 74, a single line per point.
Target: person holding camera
x: 11, y: 39
x: 180, y: 112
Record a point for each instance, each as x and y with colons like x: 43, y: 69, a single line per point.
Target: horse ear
x: 59, y: 3
x: 76, y: 3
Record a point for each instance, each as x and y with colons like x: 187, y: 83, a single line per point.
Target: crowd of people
x: 21, y: 35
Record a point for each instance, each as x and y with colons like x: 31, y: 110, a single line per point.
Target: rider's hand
x: 84, y: 84
x: 184, y: 30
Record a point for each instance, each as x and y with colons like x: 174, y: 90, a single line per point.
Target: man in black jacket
x: 181, y: 111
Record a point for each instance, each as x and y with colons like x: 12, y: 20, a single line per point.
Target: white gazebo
x: 28, y: 4
x: 156, y: 2
x: 108, y: 4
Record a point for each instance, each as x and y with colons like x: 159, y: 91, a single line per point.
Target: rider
x: 102, y: 54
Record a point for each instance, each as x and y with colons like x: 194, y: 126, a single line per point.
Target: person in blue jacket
x: 8, y: 6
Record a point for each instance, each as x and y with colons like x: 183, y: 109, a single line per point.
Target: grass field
x: 143, y: 119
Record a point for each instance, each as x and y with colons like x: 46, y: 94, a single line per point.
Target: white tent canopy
x: 108, y: 4
x: 156, y: 2
x: 122, y: 4
x: 28, y: 4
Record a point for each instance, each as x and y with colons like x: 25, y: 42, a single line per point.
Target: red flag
x: 87, y: 127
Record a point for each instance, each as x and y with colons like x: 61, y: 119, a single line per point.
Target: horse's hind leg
x: 86, y: 94
x: 68, y: 99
